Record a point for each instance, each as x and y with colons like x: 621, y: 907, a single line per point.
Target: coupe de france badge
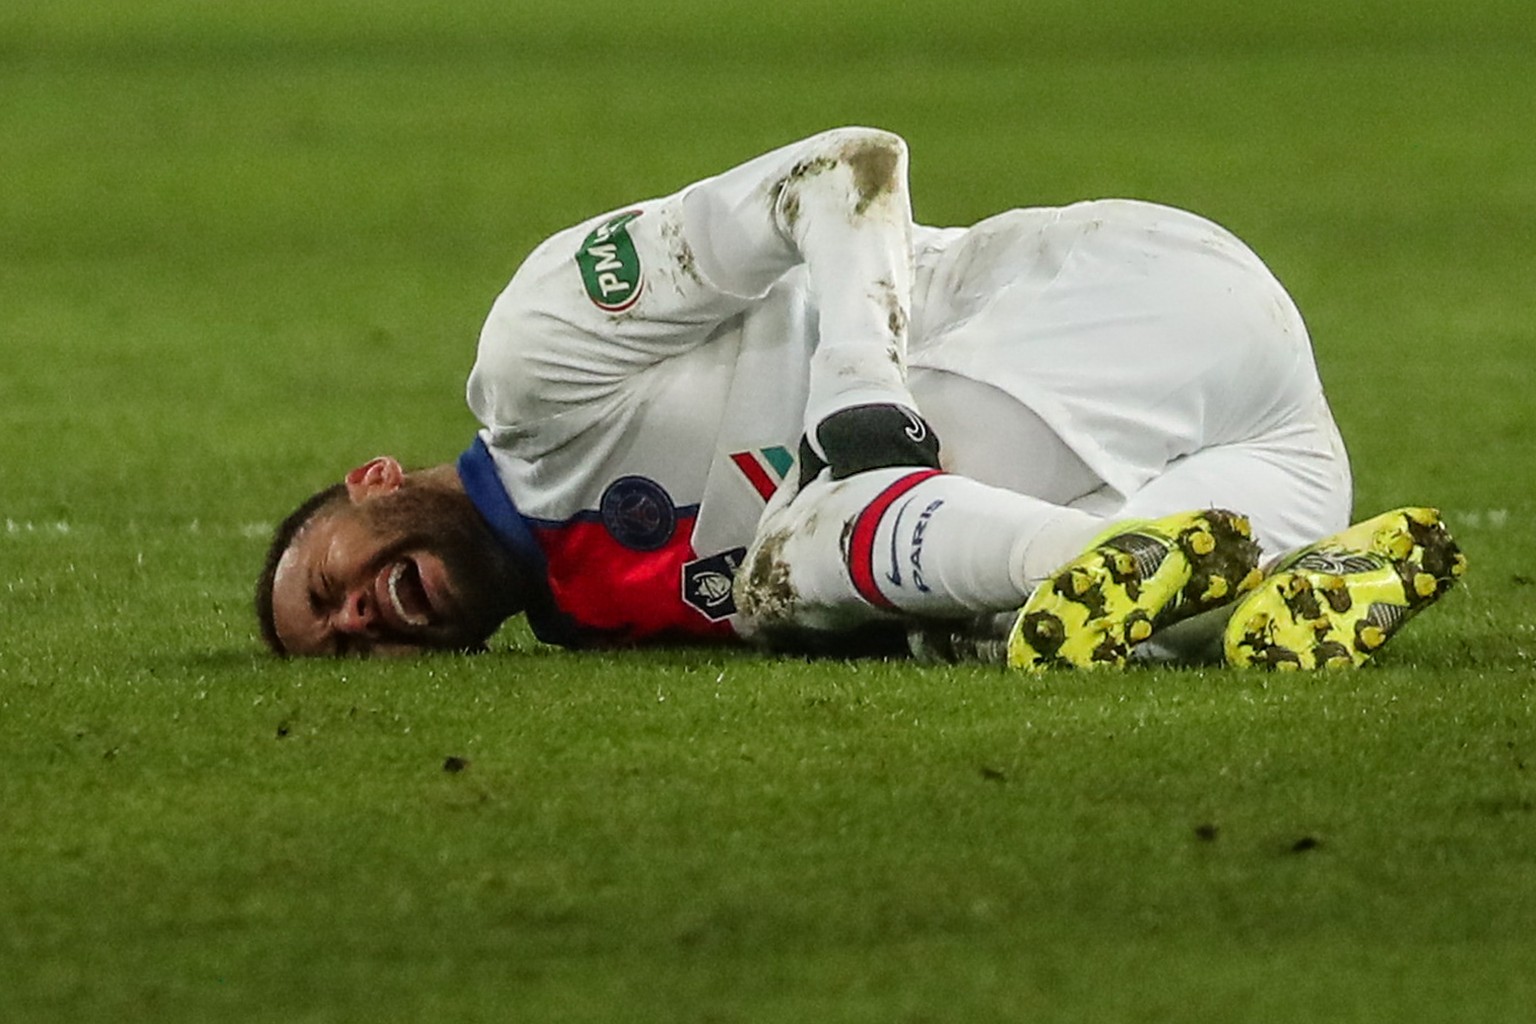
x: 707, y: 584
x: 610, y: 266
x: 638, y: 513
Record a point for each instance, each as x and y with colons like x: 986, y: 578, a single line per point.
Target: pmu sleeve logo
x: 610, y: 266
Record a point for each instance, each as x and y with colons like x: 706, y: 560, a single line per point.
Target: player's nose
x: 358, y: 612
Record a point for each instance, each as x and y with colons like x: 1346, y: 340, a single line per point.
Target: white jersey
x: 643, y: 379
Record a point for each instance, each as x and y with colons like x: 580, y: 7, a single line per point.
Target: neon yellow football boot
x: 1334, y: 603
x: 1135, y: 579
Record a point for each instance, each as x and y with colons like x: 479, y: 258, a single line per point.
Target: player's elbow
x: 854, y: 171
x: 877, y: 160
x: 857, y: 138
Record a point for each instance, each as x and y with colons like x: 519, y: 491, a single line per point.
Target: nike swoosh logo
x: 917, y: 431
x: 895, y: 574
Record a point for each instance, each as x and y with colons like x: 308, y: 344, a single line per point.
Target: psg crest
x: 638, y: 513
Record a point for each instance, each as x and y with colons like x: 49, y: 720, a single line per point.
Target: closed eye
x: 321, y: 595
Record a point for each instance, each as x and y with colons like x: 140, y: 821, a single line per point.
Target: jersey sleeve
x: 839, y: 204
x: 598, y: 305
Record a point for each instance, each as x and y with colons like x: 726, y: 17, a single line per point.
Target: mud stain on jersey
x: 784, y: 194
x: 873, y: 163
x: 896, y: 319
x: 791, y: 210
x: 681, y: 252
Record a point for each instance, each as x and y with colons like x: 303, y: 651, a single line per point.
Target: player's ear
x: 376, y: 477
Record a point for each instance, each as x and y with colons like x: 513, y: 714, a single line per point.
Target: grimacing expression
x: 393, y: 570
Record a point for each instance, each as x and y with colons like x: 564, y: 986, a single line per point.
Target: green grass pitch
x: 244, y: 246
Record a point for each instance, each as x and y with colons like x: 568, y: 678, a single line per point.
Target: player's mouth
x: 404, y: 595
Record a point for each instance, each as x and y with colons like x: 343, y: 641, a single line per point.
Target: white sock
x: 951, y: 546
x: 1059, y: 539
x: 904, y: 540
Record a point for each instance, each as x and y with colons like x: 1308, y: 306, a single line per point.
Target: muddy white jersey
x: 643, y: 380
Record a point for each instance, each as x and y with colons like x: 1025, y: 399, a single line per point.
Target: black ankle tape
x: 866, y: 437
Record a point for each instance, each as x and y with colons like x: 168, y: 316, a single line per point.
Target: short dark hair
x: 282, y: 537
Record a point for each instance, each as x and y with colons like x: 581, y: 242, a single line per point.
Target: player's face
x: 393, y: 572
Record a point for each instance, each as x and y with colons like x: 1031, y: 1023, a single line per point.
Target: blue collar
x: 477, y: 472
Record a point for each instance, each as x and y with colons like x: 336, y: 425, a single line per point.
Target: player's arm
x: 595, y: 307
x: 838, y: 203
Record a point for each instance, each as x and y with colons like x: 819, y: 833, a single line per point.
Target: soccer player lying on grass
x: 714, y: 416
